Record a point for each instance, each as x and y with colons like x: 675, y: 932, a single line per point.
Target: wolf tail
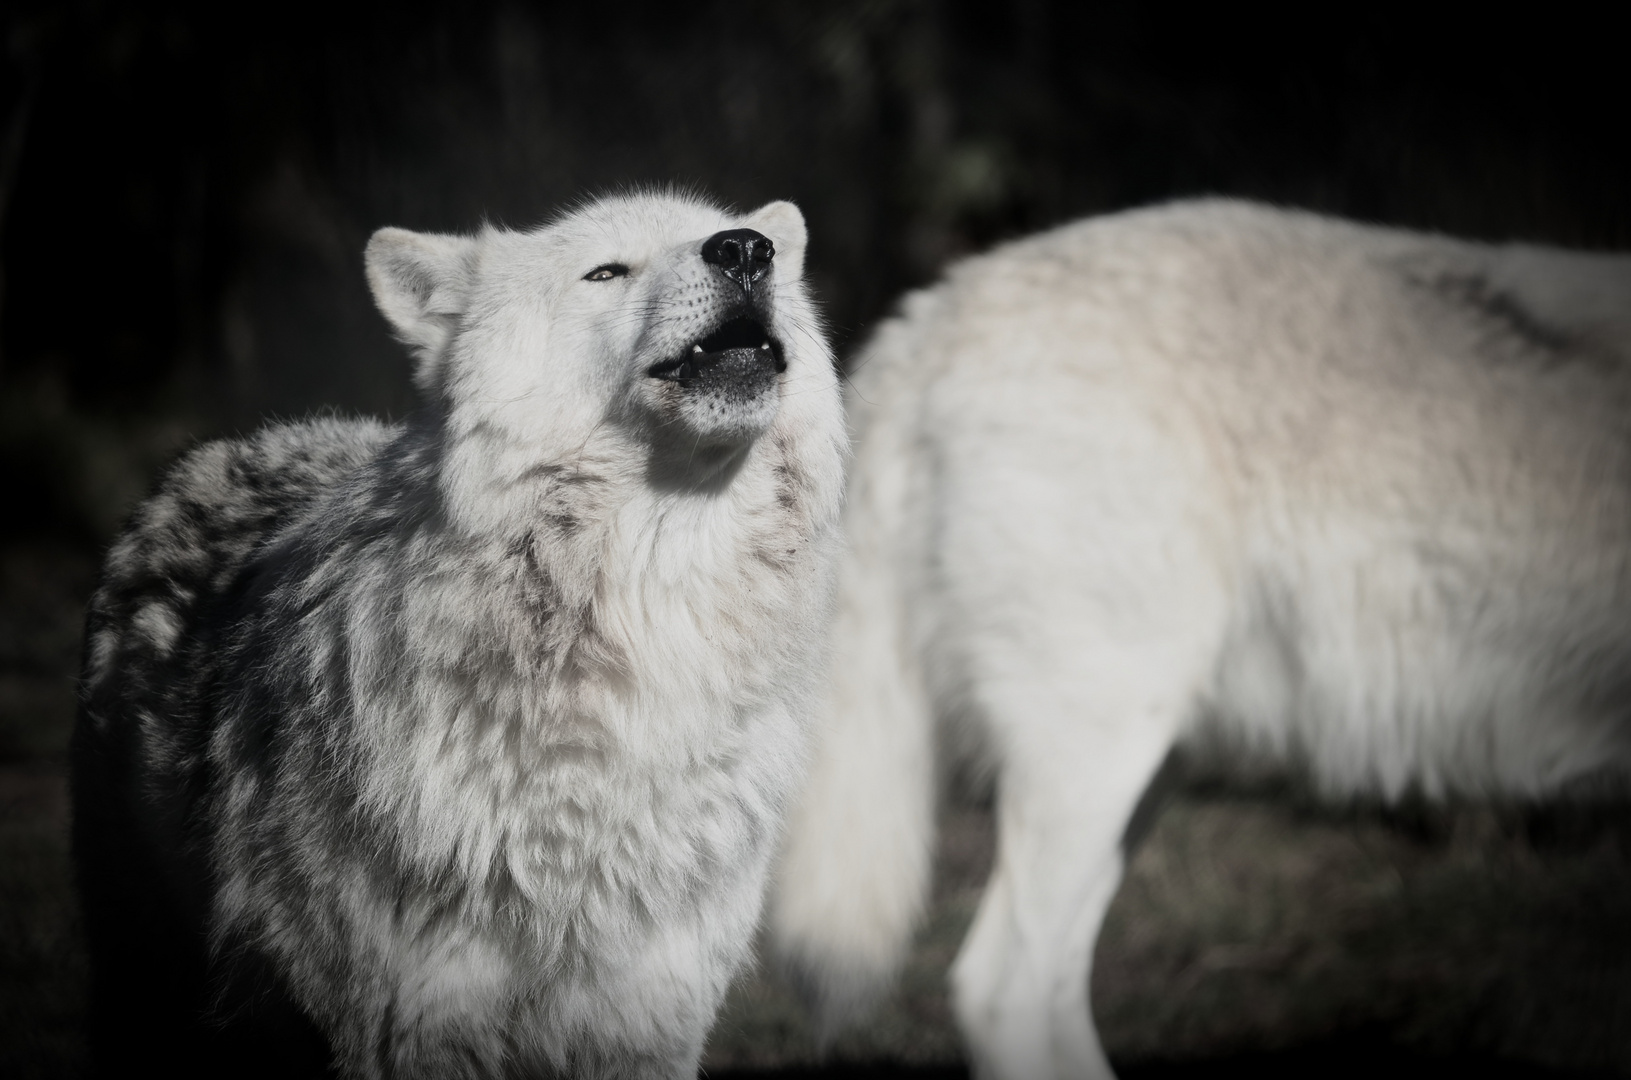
x: 854, y: 871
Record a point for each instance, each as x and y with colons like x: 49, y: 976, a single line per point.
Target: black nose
x: 744, y: 255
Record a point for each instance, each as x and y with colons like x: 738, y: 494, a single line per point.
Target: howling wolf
x: 459, y: 748
x: 1272, y: 489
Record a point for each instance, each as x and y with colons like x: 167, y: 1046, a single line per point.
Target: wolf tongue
x: 705, y: 360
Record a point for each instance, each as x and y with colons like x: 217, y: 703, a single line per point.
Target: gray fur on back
x: 466, y: 741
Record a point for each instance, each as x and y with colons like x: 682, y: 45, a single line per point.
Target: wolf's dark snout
x: 742, y: 254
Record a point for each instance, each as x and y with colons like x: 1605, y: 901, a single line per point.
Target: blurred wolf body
x: 1279, y: 491
x: 459, y: 747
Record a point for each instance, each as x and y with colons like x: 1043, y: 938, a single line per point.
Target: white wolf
x: 460, y: 748
x: 1268, y: 487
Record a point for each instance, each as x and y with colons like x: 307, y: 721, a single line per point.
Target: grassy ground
x: 1252, y: 934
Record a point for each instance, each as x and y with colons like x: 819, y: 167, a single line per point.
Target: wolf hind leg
x: 1075, y: 763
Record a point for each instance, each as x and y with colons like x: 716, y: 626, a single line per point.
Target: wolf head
x: 659, y: 314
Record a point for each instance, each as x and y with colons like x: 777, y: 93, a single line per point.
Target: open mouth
x: 743, y: 341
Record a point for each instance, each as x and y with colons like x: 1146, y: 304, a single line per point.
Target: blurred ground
x: 1259, y: 934
x: 1254, y: 934
x: 43, y: 587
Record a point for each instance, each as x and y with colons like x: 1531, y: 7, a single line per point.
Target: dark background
x: 185, y: 191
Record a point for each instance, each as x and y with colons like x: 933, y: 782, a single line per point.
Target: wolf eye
x: 606, y: 273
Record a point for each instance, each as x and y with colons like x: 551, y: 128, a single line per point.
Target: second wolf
x: 1280, y: 490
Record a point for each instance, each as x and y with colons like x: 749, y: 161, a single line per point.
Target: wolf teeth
x: 765, y: 346
x: 696, y: 348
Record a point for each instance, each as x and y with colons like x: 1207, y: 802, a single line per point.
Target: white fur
x: 1279, y: 490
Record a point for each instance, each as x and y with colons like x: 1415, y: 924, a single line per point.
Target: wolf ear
x: 782, y: 222
x: 421, y: 282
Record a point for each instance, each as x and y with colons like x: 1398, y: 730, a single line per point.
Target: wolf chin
x: 459, y: 748
x: 1273, y: 490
